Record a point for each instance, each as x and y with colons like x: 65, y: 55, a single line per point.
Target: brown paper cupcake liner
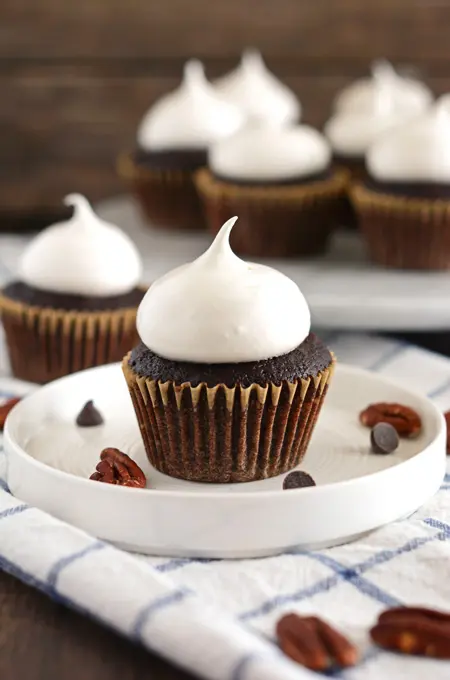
x: 276, y: 220
x: 45, y: 344
x: 168, y: 198
x: 404, y: 232
x: 221, y: 434
x: 356, y: 171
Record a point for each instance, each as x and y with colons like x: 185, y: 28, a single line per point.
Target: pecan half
x: 5, y: 408
x: 313, y: 643
x: 414, y: 630
x: 398, y: 613
x: 447, y: 422
x: 406, y: 421
x: 116, y: 467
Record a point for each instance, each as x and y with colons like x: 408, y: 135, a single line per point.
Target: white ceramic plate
x: 343, y: 289
x: 50, y: 460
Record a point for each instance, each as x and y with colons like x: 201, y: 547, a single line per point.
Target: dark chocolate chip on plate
x: 384, y: 438
x: 297, y: 480
x: 89, y: 416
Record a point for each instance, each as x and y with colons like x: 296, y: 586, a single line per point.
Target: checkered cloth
x: 216, y: 617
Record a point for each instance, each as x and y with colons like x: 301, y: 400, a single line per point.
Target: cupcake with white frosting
x: 228, y: 381
x: 369, y: 108
x: 172, y: 142
x: 280, y: 181
x: 404, y: 205
x: 410, y: 95
x: 74, y: 302
x: 258, y: 93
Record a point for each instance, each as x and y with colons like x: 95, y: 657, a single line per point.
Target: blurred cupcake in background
x: 280, y: 182
x: 410, y: 95
x: 172, y: 142
x: 258, y: 93
x: 368, y: 108
x: 404, y: 205
x: 74, y: 302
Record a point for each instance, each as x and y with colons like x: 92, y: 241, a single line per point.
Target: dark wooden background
x: 76, y: 76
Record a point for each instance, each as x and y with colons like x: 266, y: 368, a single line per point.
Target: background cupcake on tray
x: 172, y: 142
x: 410, y: 94
x: 258, y: 93
x: 281, y: 183
x: 404, y: 205
x: 228, y: 381
x: 367, y: 108
x: 74, y: 302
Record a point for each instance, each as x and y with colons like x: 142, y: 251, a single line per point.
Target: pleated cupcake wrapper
x: 404, y: 232
x: 45, y: 344
x: 226, y: 434
x: 168, y: 198
x: 277, y: 220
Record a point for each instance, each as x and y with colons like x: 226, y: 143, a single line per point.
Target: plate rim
x: 12, y: 446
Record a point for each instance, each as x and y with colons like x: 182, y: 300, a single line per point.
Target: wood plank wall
x: 76, y: 75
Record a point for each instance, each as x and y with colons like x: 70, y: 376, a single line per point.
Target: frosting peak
x: 257, y: 92
x: 82, y: 209
x: 418, y: 151
x: 221, y: 309
x: 190, y: 117
x: 193, y: 74
x: 82, y: 256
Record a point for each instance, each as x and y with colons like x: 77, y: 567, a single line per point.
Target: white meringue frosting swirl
x: 220, y: 309
x: 257, y: 92
x: 190, y: 117
x: 83, y: 256
x: 409, y: 95
x: 264, y: 152
x: 418, y: 151
x: 351, y: 131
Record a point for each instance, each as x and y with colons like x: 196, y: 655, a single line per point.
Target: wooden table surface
x: 41, y: 640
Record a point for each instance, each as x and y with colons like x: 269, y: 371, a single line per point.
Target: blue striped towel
x: 216, y: 617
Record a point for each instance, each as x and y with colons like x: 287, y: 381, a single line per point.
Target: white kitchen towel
x: 216, y: 618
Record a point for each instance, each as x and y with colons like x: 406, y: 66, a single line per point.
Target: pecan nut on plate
x: 406, y: 421
x: 116, y: 467
x: 414, y: 630
x: 313, y: 643
x: 5, y: 408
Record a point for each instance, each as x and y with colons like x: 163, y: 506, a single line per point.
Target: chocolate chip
x: 297, y: 479
x: 384, y: 438
x: 89, y: 416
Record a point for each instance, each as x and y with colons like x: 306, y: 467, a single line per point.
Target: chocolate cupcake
x: 363, y: 112
x: 173, y: 139
x: 74, y: 302
x: 281, y: 183
x: 404, y: 205
x: 258, y: 93
x: 228, y: 382
x: 369, y: 107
